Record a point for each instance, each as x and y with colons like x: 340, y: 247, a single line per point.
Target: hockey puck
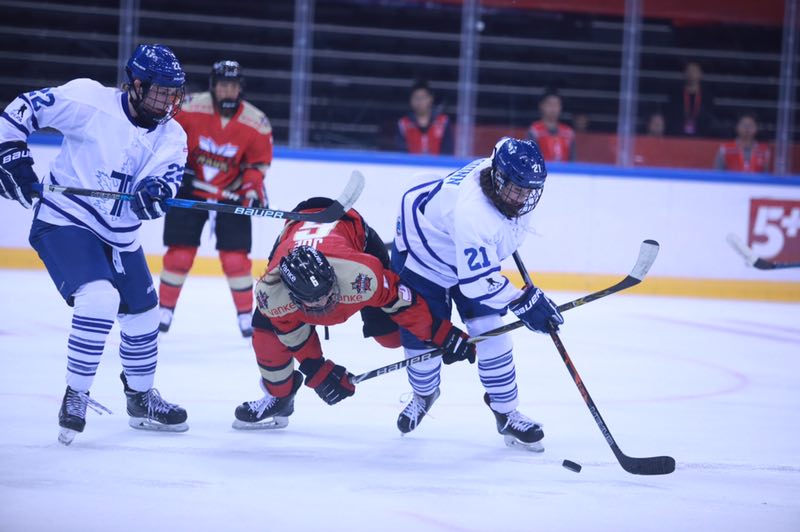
x: 572, y: 466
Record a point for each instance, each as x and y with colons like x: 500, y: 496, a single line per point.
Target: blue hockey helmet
x: 518, y: 176
x: 162, y: 84
x: 155, y: 64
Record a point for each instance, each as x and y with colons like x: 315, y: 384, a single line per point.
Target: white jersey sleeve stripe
x: 479, y: 276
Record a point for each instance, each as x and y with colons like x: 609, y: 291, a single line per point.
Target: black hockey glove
x: 16, y: 173
x: 330, y: 381
x: 453, y: 342
x: 537, y: 311
x: 149, y: 197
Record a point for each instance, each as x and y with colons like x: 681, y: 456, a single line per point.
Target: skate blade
x: 277, y: 422
x: 535, y: 447
x: 142, y: 423
x: 66, y: 436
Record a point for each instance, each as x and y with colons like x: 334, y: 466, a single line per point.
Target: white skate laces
x: 260, y: 406
x: 415, y: 409
x: 520, y: 422
x: 156, y: 404
x: 77, y: 402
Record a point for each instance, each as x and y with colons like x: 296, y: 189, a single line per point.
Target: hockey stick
x: 752, y: 260
x: 213, y: 189
x: 335, y: 211
x: 647, y: 255
x: 653, y: 465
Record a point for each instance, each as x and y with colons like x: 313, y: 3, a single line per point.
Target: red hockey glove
x: 453, y: 342
x: 252, y: 190
x: 330, y: 381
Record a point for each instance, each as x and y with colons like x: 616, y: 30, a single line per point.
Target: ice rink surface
x: 716, y: 384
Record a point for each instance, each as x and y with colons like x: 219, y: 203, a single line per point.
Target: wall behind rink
x: 588, y: 225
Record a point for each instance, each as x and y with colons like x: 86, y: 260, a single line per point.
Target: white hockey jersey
x: 454, y: 235
x: 102, y: 149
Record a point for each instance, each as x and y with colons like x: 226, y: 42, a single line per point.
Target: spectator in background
x: 691, y: 107
x: 424, y: 130
x: 656, y: 125
x: 744, y: 154
x: 580, y: 122
x: 555, y: 139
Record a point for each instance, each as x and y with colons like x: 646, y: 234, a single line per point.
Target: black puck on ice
x: 572, y: 466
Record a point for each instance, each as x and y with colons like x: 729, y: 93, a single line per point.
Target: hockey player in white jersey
x: 119, y: 140
x: 452, y: 235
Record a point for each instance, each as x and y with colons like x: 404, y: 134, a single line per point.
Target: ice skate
x: 517, y: 429
x: 415, y: 410
x: 149, y: 411
x: 245, y: 326
x: 269, y: 412
x: 166, y: 319
x: 72, y: 416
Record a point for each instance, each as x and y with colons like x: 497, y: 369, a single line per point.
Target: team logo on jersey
x: 362, y: 283
x: 213, y: 157
x: 262, y: 299
x: 20, y: 112
x: 494, y: 285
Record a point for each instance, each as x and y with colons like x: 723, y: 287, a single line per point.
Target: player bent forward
x: 113, y: 140
x: 346, y: 271
x: 452, y: 236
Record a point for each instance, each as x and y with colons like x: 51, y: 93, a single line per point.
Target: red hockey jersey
x: 225, y: 152
x: 362, y: 279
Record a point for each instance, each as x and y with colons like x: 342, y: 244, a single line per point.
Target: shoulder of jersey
x: 87, y: 90
x: 198, y: 102
x: 253, y: 117
x: 272, y: 297
x: 358, y: 281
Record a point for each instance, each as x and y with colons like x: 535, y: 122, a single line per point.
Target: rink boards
x: 588, y: 225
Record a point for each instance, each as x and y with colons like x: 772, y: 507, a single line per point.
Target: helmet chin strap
x: 143, y: 118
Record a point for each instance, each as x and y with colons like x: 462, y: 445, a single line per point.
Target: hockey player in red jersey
x: 230, y: 149
x: 321, y: 274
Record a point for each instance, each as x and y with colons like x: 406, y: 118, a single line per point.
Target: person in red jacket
x: 424, y: 130
x: 321, y: 274
x: 230, y: 149
x: 555, y: 139
x: 744, y: 154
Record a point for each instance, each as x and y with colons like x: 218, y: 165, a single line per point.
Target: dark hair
x: 420, y: 84
x: 548, y: 92
x: 747, y: 114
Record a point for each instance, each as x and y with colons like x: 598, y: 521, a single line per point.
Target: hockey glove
x: 16, y: 173
x: 252, y: 193
x: 537, y: 311
x: 330, y: 381
x: 149, y: 196
x: 453, y: 343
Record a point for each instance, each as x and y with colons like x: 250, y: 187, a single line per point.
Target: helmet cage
x: 226, y: 71
x: 512, y: 199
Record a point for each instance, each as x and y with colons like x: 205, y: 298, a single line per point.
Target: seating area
x: 367, y: 53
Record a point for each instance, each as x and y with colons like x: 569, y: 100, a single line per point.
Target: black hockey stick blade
x: 648, y: 252
x: 332, y: 213
x: 654, y: 465
x: 752, y: 260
